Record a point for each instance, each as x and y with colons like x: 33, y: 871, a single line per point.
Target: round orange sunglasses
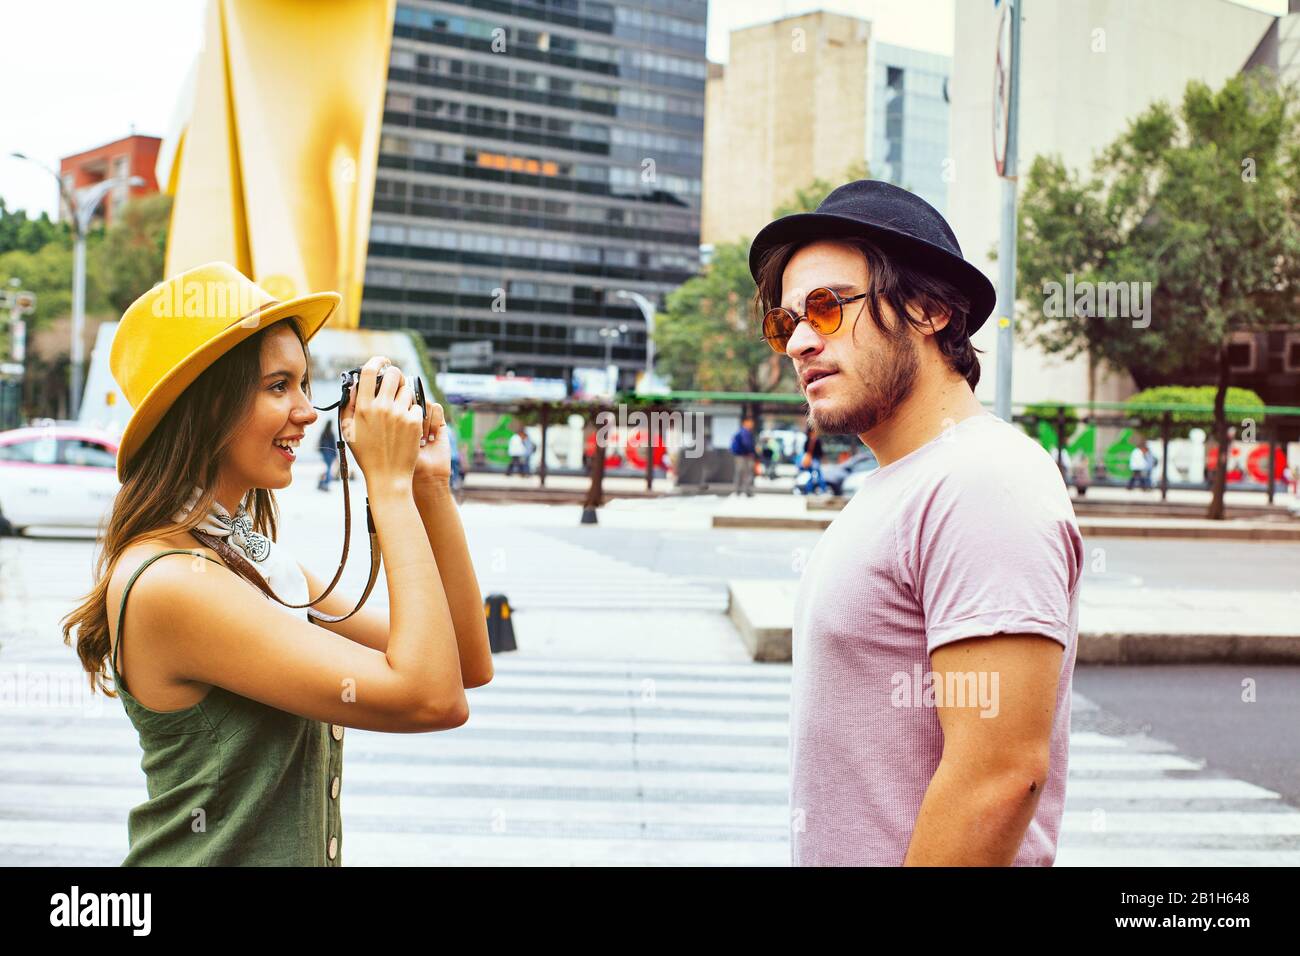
x: 825, y: 314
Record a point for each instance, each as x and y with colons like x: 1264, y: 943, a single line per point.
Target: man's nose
x: 803, y: 341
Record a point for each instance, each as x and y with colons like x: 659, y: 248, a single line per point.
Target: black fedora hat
x: 903, y: 224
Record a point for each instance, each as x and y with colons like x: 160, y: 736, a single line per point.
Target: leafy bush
x: 1239, y: 404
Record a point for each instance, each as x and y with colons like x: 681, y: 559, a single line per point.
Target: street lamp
x: 610, y: 333
x: 80, y: 210
x: 648, y: 311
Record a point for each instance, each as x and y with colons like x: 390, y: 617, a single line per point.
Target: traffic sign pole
x: 1006, y: 108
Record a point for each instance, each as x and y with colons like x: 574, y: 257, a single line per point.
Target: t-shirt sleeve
x: 995, y: 550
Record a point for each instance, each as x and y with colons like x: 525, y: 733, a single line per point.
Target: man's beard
x: 885, y: 385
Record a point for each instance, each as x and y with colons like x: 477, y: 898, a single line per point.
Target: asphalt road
x: 1200, y: 709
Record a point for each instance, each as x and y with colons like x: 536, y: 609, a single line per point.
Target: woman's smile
x: 286, y: 446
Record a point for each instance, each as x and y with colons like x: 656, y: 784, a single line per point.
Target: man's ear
x: 929, y: 325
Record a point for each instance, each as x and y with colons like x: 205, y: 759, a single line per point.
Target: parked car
x: 844, y: 478
x: 854, y: 480
x: 59, y: 475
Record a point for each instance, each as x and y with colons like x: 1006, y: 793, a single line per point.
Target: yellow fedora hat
x: 169, y: 335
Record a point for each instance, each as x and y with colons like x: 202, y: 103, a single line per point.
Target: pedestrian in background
x: 1137, y: 466
x: 769, y: 459
x: 516, y: 450
x: 812, y: 463
x: 1062, y: 456
x: 457, y: 470
x: 529, y: 447
x: 774, y: 447
x: 1081, y: 477
x: 328, y: 454
x: 742, y: 446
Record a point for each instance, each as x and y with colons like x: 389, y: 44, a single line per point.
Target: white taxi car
x: 57, y: 476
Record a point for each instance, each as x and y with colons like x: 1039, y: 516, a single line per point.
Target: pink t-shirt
x: 972, y: 534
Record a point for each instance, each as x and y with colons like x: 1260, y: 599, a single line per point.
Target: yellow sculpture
x: 272, y: 165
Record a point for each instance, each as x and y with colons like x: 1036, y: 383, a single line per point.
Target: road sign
x: 458, y: 386
x: 1002, y: 87
x: 18, y: 301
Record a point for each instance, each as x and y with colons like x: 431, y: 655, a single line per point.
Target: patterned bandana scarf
x: 276, y: 566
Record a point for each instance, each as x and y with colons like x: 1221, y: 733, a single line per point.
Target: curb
x: 1110, y: 648
x: 760, y: 521
x: 1209, y: 530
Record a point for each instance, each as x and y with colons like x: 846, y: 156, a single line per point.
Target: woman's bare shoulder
x: 141, y: 550
x: 151, y: 682
x: 138, y: 552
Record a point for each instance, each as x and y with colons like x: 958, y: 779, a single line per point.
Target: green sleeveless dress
x: 231, y: 781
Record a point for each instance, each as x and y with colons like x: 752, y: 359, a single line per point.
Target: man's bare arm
x: 995, y: 753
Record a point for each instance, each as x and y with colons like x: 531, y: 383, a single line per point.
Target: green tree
x: 17, y: 232
x: 130, y: 260
x: 708, y: 338
x: 1203, y: 203
x: 121, y: 264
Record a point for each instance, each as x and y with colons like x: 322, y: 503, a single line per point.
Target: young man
x: 936, y: 621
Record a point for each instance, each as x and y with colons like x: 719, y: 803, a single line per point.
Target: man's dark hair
x: 899, y: 284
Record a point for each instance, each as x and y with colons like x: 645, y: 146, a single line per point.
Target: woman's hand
x: 433, y: 463
x: 383, y: 430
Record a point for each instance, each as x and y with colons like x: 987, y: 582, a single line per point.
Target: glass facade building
x: 536, y: 157
x: 909, y: 121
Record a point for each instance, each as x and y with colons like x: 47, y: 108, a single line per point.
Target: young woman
x: 240, y: 702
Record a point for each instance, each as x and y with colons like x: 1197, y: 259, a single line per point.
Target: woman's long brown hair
x: 184, y: 450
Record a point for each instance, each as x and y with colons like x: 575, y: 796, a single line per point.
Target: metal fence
x: 1262, y: 468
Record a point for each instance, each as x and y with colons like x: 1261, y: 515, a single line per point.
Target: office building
x: 789, y: 106
x: 909, y: 121
x: 536, y: 158
x: 808, y: 97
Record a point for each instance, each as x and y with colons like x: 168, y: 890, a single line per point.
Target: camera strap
x: 240, y: 565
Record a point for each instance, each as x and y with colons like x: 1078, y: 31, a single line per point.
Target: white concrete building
x: 1087, y: 68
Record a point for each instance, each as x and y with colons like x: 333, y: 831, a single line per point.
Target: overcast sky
x: 75, y: 74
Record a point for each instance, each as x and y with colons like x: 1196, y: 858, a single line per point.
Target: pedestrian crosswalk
x: 605, y: 763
